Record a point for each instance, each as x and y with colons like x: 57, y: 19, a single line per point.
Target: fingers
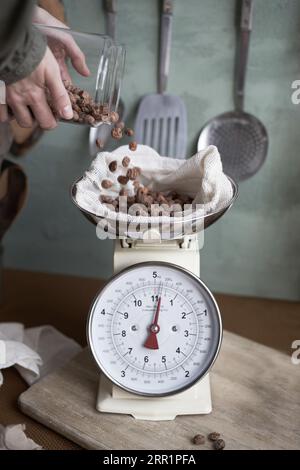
x: 64, y: 72
x: 27, y: 98
x: 3, y: 113
x: 78, y: 61
x: 28, y: 105
x: 21, y: 114
x: 63, y: 40
x: 43, y: 113
x: 76, y: 55
x: 59, y: 95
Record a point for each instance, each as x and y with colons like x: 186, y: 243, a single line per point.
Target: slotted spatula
x: 161, y: 121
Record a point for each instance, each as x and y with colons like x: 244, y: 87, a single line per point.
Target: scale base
x: 194, y: 401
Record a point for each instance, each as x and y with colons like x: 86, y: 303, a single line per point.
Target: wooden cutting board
x: 256, y: 405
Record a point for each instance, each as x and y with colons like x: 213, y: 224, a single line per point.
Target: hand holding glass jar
x: 46, y: 95
x: 27, y: 98
x: 94, y: 96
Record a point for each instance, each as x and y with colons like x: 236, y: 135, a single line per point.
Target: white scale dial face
x: 155, y: 329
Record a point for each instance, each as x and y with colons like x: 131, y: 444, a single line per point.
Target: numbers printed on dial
x: 160, y: 329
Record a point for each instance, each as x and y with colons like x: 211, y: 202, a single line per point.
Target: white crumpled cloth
x: 34, y: 351
x: 200, y: 177
x: 14, y: 438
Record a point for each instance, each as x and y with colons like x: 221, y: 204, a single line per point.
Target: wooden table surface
x: 63, y: 301
x: 256, y: 405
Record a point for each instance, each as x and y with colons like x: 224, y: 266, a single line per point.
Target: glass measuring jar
x: 95, y: 97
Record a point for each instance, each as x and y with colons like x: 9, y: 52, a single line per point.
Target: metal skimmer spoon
x: 241, y: 138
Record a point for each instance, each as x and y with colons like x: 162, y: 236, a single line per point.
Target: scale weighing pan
x: 190, y: 222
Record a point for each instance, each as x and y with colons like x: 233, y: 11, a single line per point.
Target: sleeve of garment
x: 22, y: 46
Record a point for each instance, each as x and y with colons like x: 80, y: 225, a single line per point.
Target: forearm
x: 21, y: 45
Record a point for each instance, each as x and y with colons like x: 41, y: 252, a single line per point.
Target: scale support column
x: 184, y: 252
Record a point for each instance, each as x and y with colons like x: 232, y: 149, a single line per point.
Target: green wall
x: 255, y: 249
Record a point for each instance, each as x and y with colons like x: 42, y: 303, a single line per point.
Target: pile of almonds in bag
x: 154, y: 203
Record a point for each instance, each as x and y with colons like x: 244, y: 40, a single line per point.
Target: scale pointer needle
x: 151, y: 342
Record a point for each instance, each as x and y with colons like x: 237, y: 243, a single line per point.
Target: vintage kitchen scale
x: 155, y: 329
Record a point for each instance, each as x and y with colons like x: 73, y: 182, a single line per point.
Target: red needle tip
x: 151, y: 342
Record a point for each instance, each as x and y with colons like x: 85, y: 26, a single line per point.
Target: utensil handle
x: 165, y: 44
x: 110, y: 7
x: 242, y: 53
